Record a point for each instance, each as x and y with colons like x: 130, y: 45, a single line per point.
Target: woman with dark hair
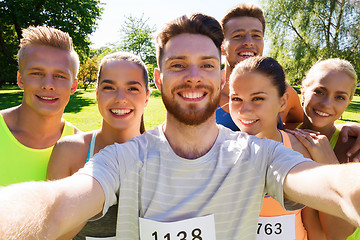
x: 122, y: 94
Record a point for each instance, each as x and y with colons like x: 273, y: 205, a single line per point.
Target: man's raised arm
x: 45, y: 210
x: 334, y: 189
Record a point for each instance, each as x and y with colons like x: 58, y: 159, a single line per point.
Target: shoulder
x: 10, y: 115
x: 291, y: 90
x: 77, y: 140
x: 298, y: 146
x: 69, y: 155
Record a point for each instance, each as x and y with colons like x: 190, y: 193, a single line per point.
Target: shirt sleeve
x: 105, y: 168
x: 281, y: 160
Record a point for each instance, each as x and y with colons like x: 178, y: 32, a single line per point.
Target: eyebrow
x: 261, y: 92
x: 128, y: 83
x: 185, y: 57
x: 338, y: 92
x: 243, y: 30
x: 107, y: 81
x: 58, y: 71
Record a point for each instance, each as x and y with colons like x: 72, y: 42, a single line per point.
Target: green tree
x: 301, y: 32
x: 88, y: 72
x: 77, y: 17
x: 89, y: 68
x: 136, y: 37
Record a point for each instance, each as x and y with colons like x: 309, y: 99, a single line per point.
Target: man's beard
x: 190, y: 115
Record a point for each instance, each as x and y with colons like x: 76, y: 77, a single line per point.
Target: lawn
x: 82, y: 109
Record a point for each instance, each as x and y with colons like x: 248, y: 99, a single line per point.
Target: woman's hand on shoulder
x: 317, y: 145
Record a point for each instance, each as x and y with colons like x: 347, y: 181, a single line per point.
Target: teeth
x: 248, y: 122
x: 247, y: 54
x: 192, y: 95
x: 47, y: 98
x: 322, y: 113
x: 120, y: 111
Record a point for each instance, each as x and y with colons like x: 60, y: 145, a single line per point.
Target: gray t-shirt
x: 229, y: 181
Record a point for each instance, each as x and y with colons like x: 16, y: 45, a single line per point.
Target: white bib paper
x: 199, y: 228
x: 276, y: 228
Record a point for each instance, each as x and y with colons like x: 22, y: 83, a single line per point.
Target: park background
x: 298, y: 33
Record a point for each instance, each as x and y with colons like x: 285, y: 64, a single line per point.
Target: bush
x: 357, y: 91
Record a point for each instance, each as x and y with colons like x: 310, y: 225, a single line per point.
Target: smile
x: 120, y: 112
x: 246, y: 54
x: 322, y: 113
x: 192, y: 95
x: 47, y: 98
x: 248, y: 122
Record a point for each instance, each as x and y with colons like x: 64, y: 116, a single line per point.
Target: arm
x: 67, y: 157
x: 351, y: 129
x: 339, y: 195
x: 320, y: 225
x: 46, y: 210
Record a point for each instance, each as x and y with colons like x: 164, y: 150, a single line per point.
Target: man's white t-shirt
x: 150, y: 181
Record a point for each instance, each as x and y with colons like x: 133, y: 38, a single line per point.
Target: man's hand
x: 351, y: 129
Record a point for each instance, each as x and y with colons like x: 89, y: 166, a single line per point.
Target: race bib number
x: 199, y: 228
x: 276, y: 228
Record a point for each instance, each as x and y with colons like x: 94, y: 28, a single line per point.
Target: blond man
x: 48, y: 66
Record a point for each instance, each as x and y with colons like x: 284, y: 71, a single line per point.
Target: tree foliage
x: 89, y: 68
x: 136, y: 36
x: 77, y: 17
x: 305, y: 31
x: 88, y: 72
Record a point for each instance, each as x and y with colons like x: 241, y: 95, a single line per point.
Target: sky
x: 158, y: 12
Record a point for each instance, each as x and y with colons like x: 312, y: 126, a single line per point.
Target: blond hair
x: 47, y: 36
x: 334, y: 64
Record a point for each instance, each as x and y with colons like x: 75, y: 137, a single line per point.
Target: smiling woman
x: 122, y: 94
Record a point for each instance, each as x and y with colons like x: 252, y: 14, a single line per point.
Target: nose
x: 193, y: 76
x: 120, y: 96
x: 245, y: 108
x: 326, y: 101
x: 47, y: 82
x: 248, y: 40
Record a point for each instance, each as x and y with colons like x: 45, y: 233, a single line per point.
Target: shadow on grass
x: 354, y: 107
x: 76, y: 104
x: 12, y: 99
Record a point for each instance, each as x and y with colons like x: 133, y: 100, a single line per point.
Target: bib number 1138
x: 194, y: 235
x: 199, y: 228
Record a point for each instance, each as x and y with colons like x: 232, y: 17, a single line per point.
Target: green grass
x: 82, y: 109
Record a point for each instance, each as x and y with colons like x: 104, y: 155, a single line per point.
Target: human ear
x: 157, y: 78
x: 74, y: 86
x: 19, y: 80
x: 283, y: 101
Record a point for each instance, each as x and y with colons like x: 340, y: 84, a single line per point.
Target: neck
x: 30, y: 121
x: 190, y: 141
x: 273, y: 134
x: 228, y: 71
x: 108, y: 135
x: 327, y: 130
